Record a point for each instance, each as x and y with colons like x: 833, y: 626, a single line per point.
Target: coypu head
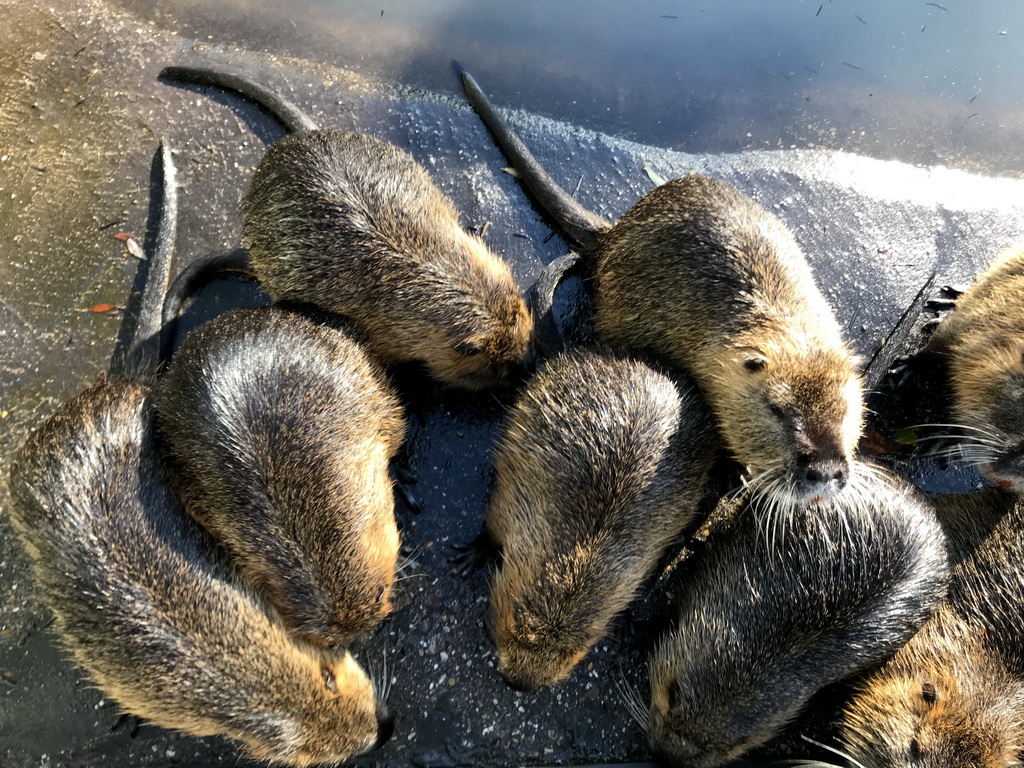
x: 336, y: 717
x: 698, y: 728
x: 989, y: 391
x: 547, y: 614
x: 341, y: 588
x: 793, y: 418
x: 480, y: 331
x: 942, y: 701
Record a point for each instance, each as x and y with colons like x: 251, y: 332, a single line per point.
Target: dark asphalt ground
x: 81, y: 113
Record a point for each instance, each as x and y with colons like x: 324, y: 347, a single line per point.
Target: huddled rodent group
x: 707, y: 280
x: 237, y: 507
x: 142, y: 597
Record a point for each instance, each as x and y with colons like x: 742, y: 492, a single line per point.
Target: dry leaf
x: 653, y: 175
x: 511, y: 171
x: 123, y: 236
x: 103, y: 307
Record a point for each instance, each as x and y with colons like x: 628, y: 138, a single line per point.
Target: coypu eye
x: 777, y: 410
x: 928, y: 693
x: 755, y: 364
x: 674, y: 696
x: 329, y: 682
x: 468, y: 349
x: 380, y: 595
x: 915, y: 750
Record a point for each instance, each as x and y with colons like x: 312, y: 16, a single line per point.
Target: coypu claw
x: 474, y: 555
x: 134, y: 724
x: 409, y: 502
x: 943, y: 304
x: 403, y: 478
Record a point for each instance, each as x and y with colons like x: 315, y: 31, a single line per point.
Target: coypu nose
x: 682, y: 750
x: 824, y: 471
x: 516, y: 684
x: 385, y: 727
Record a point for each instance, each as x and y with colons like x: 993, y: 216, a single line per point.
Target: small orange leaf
x: 124, y: 236
x: 102, y: 307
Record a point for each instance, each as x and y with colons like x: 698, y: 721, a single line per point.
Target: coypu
x: 982, y: 345
x: 706, y: 279
x: 768, y: 617
x: 954, y: 695
x: 140, y: 596
x: 278, y: 430
x: 356, y: 226
x: 600, y: 466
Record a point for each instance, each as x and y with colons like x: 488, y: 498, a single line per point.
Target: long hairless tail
x: 191, y: 279
x: 897, y: 342
x: 548, y: 336
x: 290, y: 116
x: 143, y: 354
x: 581, y: 225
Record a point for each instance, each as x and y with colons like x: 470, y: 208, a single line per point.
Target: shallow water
x: 917, y: 81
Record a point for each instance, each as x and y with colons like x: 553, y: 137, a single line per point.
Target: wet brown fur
x: 600, y: 467
x: 983, y: 342
x: 354, y: 225
x: 773, y: 612
x: 953, y: 697
x: 279, y: 430
x: 707, y: 279
x: 145, y: 604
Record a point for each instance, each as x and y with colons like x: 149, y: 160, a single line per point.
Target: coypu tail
x: 581, y: 225
x: 289, y: 115
x: 144, y: 355
x: 190, y: 280
x: 551, y: 336
x: 896, y: 343
x: 218, y: 266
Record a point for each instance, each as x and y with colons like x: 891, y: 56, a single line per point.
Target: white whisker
x: 833, y: 750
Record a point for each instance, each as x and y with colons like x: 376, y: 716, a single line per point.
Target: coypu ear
x: 929, y: 693
x: 329, y: 681
x: 755, y: 363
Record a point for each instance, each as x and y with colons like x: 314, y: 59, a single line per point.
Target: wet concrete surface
x: 80, y: 117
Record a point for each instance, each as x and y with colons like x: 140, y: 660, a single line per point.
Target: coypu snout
x: 518, y: 683
x: 818, y: 475
x: 385, y: 725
